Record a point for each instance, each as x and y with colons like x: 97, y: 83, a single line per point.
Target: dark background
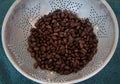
x: 109, y: 75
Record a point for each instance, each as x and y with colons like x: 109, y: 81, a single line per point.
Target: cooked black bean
x: 62, y: 42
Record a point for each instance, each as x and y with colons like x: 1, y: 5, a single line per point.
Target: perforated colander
x: 17, y: 25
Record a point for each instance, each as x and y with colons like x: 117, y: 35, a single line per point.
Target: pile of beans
x: 62, y: 42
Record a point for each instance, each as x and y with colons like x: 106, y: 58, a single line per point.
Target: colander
x: 17, y: 25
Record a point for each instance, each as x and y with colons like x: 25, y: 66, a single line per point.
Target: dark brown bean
x: 36, y: 48
x: 33, y: 44
x: 30, y: 49
x: 53, y: 21
x: 54, y: 37
x: 43, y: 26
x: 49, y: 27
x: 62, y: 34
x: 56, y: 30
x: 35, y: 65
x: 81, y: 44
x: 43, y: 48
x: 67, y: 67
x: 33, y: 54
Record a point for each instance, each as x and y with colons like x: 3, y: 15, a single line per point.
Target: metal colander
x: 17, y: 25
